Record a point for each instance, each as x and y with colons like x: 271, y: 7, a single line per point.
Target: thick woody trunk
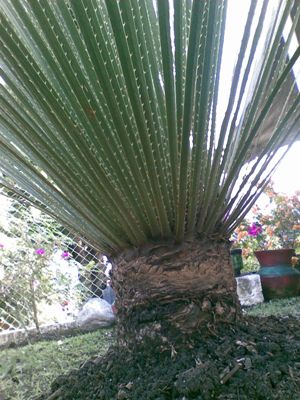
x: 177, y: 333
x: 169, y: 292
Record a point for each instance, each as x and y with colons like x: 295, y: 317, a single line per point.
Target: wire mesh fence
x: 46, y: 273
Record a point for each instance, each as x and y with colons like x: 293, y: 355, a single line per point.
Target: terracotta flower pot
x: 278, y: 278
x: 269, y: 258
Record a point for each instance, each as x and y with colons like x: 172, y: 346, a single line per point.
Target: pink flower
x: 41, y: 252
x: 1, y: 246
x: 254, y: 229
x: 65, y: 254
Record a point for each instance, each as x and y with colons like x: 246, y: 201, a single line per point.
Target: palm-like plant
x: 111, y: 122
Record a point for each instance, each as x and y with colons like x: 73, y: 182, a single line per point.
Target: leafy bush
x: 26, y: 276
x: 277, y: 225
x: 45, y: 273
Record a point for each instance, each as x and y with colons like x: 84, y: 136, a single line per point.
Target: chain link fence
x: 46, y: 274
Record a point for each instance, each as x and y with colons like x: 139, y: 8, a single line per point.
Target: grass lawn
x: 279, y: 308
x: 28, y: 371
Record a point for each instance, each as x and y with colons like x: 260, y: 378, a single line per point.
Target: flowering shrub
x: 45, y: 273
x: 25, y: 280
x: 275, y: 226
x: 255, y: 229
x: 28, y: 242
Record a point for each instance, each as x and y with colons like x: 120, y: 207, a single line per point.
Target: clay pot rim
x: 275, y: 250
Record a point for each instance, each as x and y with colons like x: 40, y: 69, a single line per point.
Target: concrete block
x: 249, y: 289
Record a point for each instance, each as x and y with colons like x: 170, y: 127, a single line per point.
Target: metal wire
x: 46, y: 273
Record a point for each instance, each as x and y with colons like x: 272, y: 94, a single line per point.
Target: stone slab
x: 249, y: 289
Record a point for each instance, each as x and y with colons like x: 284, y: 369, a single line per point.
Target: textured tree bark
x: 170, y: 292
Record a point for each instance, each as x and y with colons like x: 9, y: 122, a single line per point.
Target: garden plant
x: 273, y: 225
x: 27, y: 279
x: 112, y: 122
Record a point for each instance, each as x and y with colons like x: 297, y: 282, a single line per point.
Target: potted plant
x: 273, y: 238
x: 279, y: 277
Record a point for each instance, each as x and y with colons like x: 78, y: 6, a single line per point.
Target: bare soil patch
x: 254, y: 359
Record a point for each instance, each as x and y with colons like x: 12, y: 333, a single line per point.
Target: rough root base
x: 172, y: 291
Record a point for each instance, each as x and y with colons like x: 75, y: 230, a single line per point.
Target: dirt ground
x: 254, y: 359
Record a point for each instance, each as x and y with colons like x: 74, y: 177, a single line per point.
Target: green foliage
x: 102, y: 99
x: 26, y: 281
x: 26, y: 278
x: 284, y: 219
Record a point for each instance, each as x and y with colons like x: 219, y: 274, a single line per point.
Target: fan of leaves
x: 111, y: 121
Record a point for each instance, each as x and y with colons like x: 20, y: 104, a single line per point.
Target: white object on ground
x: 249, y: 289
x: 95, y: 312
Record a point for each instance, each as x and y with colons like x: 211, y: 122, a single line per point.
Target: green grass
x: 279, y: 308
x: 28, y: 371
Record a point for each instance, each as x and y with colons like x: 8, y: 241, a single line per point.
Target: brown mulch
x: 255, y: 359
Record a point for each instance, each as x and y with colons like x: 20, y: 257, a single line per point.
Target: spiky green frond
x: 111, y: 115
